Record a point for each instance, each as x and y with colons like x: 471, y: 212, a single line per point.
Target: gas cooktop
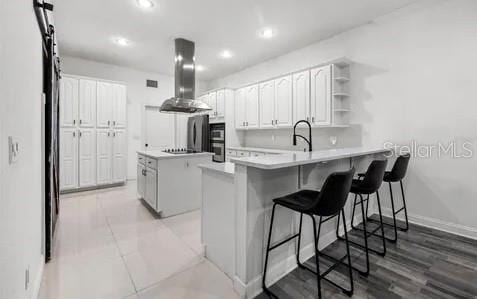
x: 178, y: 151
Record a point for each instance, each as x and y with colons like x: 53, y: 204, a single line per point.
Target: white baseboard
x: 281, y: 269
x: 38, y: 278
x: 434, y: 223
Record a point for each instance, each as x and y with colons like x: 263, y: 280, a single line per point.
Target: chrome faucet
x: 309, y: 134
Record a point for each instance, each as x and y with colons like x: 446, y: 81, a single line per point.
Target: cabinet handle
x: 80, y: 121
x: 114, y: 134
x: 74, y: 134
x: 312, y: 119
x: 109, y: 122
x: 108, y: 134
x: 114, y: 122
x: 80, y: 134
x: 74, y: 121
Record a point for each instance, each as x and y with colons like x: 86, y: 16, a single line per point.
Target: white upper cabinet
x: 283, y: 102
x: 220, y: 107
x: 240, y: 109
x: 104, y: 151
x: 104, y: 110
x: 267, y: 104
x: 68, y: 158
x: 69, y: 93
x: 119, y: 156
x: 119, y: 104
x: 87, y: 103
x: 87, y: 157
x: 320, y: 99
x: 301, y: 96
x: 212, y: 101
x: 251, y: 107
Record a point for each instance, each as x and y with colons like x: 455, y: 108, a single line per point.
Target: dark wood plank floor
x: 424, y: 263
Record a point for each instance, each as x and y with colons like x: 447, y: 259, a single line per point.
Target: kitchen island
x: 170, y: 183
x: 236, y: 241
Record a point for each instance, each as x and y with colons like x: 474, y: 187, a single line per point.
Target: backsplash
x: 282, y: 138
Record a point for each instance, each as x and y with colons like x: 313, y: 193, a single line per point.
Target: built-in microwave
x: 217, y: 141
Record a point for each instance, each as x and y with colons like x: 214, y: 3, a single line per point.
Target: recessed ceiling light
x: 226, y: 54
x: 146, y: 4
x: 123, y: 42
x: 199, y: 68
x: 266, y: 33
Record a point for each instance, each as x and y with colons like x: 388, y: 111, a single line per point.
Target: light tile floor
x: 109, y: 245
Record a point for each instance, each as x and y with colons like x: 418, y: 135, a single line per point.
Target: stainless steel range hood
x: 184, y: 100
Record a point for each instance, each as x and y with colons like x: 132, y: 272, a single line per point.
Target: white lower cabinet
x: 151, y: 194
x: 141, y: 180
x: 87, y: 157
x: 119, y: 156
x: 104, y: 153
x: 68, y: 158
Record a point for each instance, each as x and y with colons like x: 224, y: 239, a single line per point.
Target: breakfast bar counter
x: 242, y: 203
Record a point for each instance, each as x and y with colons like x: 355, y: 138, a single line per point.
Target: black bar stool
x: 328, y: 202
x: 369, y: 184
x: 397, y: 174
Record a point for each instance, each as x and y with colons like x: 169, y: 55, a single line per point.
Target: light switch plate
x: 13, y: 150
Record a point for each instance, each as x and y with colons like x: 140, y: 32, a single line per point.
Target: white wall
x: 413, y: 78
x: 138, y: 95
x: 21, y: 117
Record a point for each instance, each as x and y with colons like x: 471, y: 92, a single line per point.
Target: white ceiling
x: 86, y: 27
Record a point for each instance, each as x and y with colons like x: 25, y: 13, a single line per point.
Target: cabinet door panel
x: 87, y: 158
x: 119, y: 156
x: 240, y: 103
x: 151, y: 188
x: 69, y: 93
x: 283, y: 102
x: 141, y: 180
x: 104, y: 100
x: 104, y: 160
x: 321, y: 96
x: 267, y: 104
x: 220, y: 108
x: 87, y: 103
x: 68, y: 159
x: 251, y: 107
x: 301, y: 96
x: 119, y: 105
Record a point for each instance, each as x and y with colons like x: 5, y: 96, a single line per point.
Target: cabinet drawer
x: 243, y: 154
x: 257, y: 154
x: 151, y: 163
x: 141, y: 159
x: 231, y: 153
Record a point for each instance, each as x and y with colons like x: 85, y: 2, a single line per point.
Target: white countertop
x: 226, y: 168
x: 261, y: 150
x: 159, y: 155
x: 290, y: 159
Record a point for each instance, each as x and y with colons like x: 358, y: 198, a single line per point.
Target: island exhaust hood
x: 184, y: 100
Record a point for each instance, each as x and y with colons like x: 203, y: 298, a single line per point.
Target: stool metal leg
x: 299, y: 241
x: 404, y: 208
x: 350, y: 268
x: 265, y: 289
x: 317, y: 258
x: 393, y: 240
x: 383, y: 253
x: 366, y: 249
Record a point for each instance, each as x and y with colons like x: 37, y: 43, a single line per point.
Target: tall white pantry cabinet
x: 93, y: 142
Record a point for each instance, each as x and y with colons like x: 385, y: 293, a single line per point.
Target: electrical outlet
x: 13, y: 150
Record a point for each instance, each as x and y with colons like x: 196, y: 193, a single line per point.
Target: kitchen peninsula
x: 237, y: 201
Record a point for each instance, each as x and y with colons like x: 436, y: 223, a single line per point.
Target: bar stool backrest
x: 374, y: 176
x: 334, y: 193
x: 399, y: 168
